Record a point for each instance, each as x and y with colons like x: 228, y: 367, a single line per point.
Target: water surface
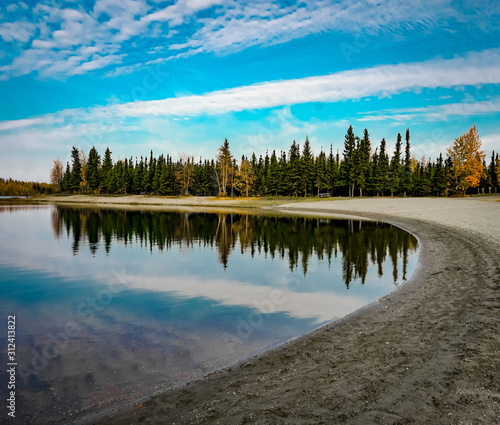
x: 113, y: 305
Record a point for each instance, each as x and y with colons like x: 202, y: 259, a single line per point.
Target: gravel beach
x: 427, y: 353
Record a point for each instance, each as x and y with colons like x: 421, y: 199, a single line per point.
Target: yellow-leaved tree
x: 467, y: 158
x: 498, y: 169
x: 245, y: 177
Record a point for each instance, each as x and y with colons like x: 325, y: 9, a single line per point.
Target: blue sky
x: 180, y: 76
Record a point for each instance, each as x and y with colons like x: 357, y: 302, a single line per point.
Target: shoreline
x: 426, y: 353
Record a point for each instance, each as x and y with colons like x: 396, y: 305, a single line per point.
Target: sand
x: 427, y: 353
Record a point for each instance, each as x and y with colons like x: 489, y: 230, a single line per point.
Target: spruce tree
x: 66, y: 178
x: 406, y: 183
x: 383, y: 168
x: 92, y: 172
x: 492, y: 174
x: 394, y: 170
x: 439, y: 177
x: 107, y: 166
x: 76, y: 170
x: 346, y: 165
x: 307, y: 165
x: 294, y: 169
x: 321, y: 173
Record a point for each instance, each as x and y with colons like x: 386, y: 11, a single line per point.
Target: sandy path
x: 427, y: 353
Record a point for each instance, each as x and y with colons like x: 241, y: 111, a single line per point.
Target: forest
x: 361, y: 169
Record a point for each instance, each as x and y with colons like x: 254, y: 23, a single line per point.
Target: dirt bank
x: 427, y: 353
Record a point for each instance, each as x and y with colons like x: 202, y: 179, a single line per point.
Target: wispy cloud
x: 55, y: 41
x: 475, y: 68
x: 468, y: 107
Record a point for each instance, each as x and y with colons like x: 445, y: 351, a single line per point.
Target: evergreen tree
x: 283, y: 182
x: 492, y: 174
x: 363, y: 174
x: 158, y: 164
x: 357, y: 176
x: 76, y: 170
x: 406, y: 183
x: 138, y: 176
x: 66, y: 179
x: 346, y: 165
x: 383, y: 168
x: 321, y: 173
x: 107, y: 166
x: 394, y: 170
x: 224, y: 168
x: 145, y: 186
x: 273, y: 175
x: 439, y: 178
x: 307, y: 166
x: 92, y: 171
x: 375, y: 173
x: 451, y: 178
x: 294, y: 169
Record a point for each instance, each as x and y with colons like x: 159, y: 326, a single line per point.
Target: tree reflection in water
x: 291, y: 238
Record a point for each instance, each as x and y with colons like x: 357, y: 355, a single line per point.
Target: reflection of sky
x: 178, y: 315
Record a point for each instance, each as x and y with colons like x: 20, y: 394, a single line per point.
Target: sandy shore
x: 427, y: 353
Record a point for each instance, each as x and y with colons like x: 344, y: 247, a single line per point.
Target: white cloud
x: 473, y: 69
x: 260, y: 23
x: 65, y: 33
x: 469, y: 107
x: 176, y: 13
x: 17, y: 31
x: 314, y: 305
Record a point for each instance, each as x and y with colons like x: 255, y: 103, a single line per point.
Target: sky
x: 178, y: 77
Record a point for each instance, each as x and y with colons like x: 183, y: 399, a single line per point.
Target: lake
x: 113, y: 305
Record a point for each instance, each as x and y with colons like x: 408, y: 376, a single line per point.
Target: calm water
x: 113, y: 305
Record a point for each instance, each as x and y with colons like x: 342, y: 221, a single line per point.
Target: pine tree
x: 406, y: 183
x: 66, y: 178
x: 492, y: 174
x: 107, y: 166
x: 307, y: 165
x: 375, y: 173
x: 92, y: 171
x: 346, y: 165
x: 273, y: 175
x: 283, y: 182
x: 294, y: 169
x: 76, y: 170
x: 439, y: 178
x: 383, y: 168
x: 394, y: 170
x: 356, y: 175
x: 363, y: 174
x: 497, y: 169
x: 137, y: 182
x: 224, y: 168
x: 321, y: 173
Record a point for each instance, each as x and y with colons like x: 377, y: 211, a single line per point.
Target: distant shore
x: 168, y: 201
x: 426, y: 353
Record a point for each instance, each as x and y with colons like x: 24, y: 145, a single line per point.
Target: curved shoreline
x: 427, y: 353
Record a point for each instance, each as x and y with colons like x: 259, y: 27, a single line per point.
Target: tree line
x: 10, y: 187
x: 362, y: 170
x: 293, y: 239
